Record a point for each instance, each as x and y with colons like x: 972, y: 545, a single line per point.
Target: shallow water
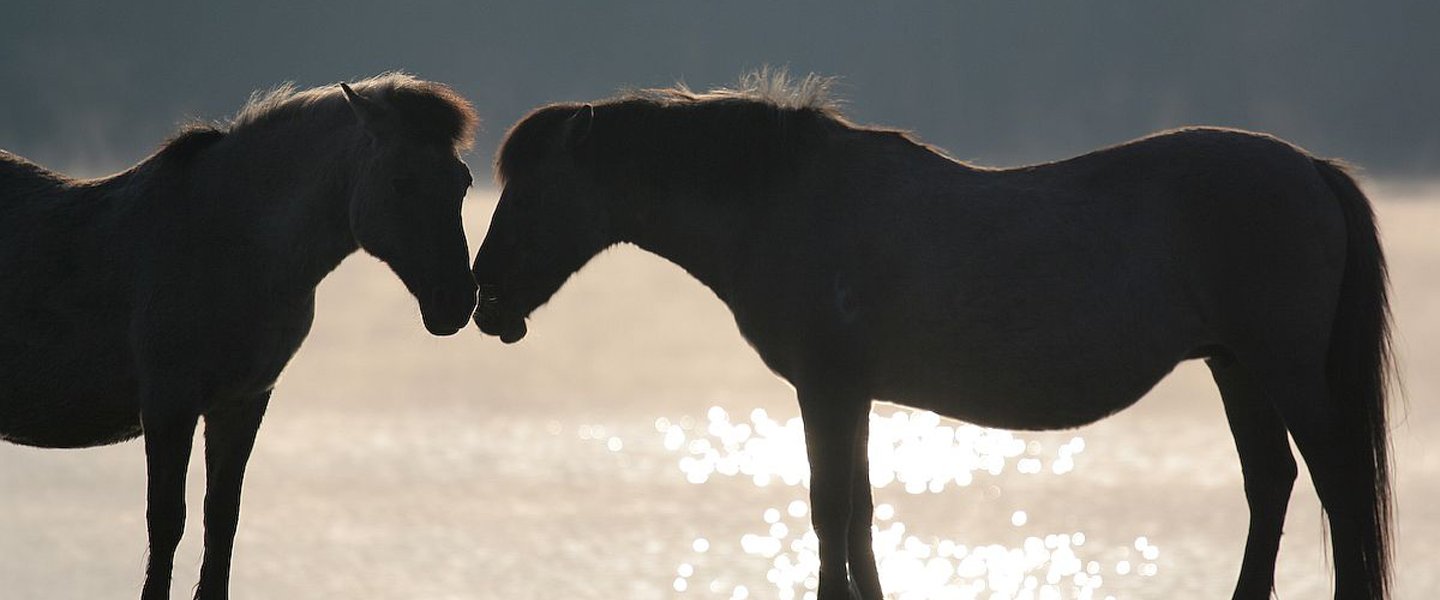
x: 637, y: 449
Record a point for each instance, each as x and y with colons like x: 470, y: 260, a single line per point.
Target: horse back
x: 1053, y: 295
x: 66, y: 372
x: 1255, y: 236
x: 20, y: 177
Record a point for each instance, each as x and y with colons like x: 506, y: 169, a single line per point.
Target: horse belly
x: 1051, y: 369
x: 66, y: 398
x: 1025, y: 397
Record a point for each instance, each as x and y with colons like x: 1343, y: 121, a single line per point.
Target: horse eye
x: 405, y: 185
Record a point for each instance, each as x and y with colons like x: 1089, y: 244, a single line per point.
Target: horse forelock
x: 431, y: 110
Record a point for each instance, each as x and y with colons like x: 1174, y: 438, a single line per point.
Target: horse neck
x: 698, y: 231
x: 283, y: 193
x: 712, y: 229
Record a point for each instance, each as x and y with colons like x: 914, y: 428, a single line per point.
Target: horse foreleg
x: 832, y: 421
x: 863, y: 572
x: 229, y: 437
x: 168, y: 437
x: 1268, y: 469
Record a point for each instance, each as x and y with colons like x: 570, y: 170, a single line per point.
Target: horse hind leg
x: 1340, y: 464
x: 1268, y: 469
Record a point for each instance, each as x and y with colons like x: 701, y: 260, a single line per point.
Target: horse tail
x: 1359, y: 368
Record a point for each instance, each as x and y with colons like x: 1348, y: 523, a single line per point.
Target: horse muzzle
x: 494, y: 320
x: 447, y: 310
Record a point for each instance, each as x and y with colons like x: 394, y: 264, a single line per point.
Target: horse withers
x: 138, y: 303
x: 862, y: 264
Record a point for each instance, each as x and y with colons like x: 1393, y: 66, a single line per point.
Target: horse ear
x: 366, y: 110
x: 577, y: 127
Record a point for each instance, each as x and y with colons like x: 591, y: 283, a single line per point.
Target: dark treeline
x: 94, y: 85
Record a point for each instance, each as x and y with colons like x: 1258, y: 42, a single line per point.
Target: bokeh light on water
x: 920, y: 453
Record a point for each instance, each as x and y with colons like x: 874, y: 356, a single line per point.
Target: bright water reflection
x: 920, y: 453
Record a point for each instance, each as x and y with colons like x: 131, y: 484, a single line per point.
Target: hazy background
x: 638, y: 449
x: 95, y: 84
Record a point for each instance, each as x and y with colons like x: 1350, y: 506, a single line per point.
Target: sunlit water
x: 634, y: 447
x: 915, y: 451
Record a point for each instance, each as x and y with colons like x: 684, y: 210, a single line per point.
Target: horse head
x: 549, y: 222
x: 405, y: 209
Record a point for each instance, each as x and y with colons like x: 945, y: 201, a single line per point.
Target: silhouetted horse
x: 181, y: 287
x: 862, y: 264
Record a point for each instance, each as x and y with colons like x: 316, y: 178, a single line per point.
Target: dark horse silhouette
x: 861, y: 264
x: 180, y: 288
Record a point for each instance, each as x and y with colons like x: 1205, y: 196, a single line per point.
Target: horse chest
x: 258, y: 351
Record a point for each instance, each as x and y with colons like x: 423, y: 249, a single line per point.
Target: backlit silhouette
x: 180, y: 288
x: 862, y: 264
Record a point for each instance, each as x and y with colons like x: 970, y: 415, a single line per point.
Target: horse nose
x: 487, y: 307
x: 449, y: 310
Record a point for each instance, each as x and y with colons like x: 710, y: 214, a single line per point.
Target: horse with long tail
x: 138, y: 303
x: 861, y: 264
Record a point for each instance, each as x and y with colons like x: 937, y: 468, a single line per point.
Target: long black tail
x: 1359, y: 366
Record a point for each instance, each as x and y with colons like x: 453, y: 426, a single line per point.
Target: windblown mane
x: 762, y: 122
x: 773, y: 87
x: 434, y: 110
x: 185, y: 143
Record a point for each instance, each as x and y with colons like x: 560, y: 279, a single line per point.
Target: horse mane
x: 433, y: 110
x: 760, y: 124
x: 766, y: 86
x: 184, y: 144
